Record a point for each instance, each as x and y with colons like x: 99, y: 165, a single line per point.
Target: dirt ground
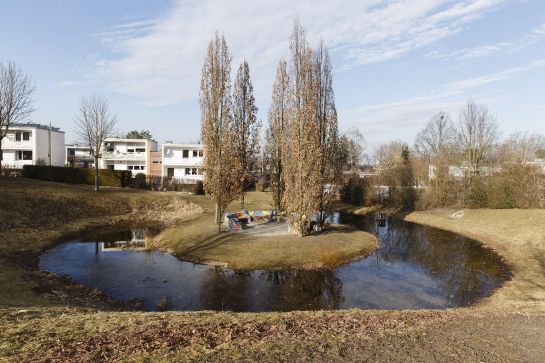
x: 507, y: 326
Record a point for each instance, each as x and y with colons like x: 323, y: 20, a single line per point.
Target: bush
x: 198, y: 188
x: 478, y: 194
x: 353, y: 191
x: 139, y: 181
x: 107, y: 177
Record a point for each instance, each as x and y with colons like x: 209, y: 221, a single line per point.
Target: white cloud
x: 405, y: 117
x: 534, y: 36
x: 159, y: 60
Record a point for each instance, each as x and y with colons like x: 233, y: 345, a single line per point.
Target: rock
x: 457, y: 215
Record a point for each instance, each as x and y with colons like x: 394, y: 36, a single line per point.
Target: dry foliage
x: 310, y: 162
x: 220, y: 166
x: 246, y: 129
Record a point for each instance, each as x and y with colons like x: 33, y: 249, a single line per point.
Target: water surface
x: 415, y: 267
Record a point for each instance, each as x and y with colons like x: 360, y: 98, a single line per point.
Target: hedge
x: 107, y: 177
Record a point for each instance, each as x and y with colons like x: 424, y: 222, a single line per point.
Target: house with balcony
x: 128, y: 154
x: 79, y: 156
x: 183, y: 161
x: 31, y: 144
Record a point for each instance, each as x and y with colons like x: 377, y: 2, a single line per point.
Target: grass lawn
x: 508, y: 326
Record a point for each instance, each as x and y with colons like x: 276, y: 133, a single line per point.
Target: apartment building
x: 79, y: 156
x: 182, y: 161
x: 31, y: 144
x: 128, y: 154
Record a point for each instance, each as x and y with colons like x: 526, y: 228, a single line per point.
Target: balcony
x: 17, y: 145
x: 116, y: 155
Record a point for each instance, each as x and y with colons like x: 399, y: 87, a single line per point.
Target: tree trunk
x: 96, y: 174
x: 1, y: 157
x: 218, y: 216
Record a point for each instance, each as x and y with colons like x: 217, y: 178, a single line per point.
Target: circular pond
x: 415, y: 267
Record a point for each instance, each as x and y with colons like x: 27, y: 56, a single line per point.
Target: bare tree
x: 246, y: 128
x: 522, y: 147
x: 277, y: 134
x: 16, y: 90
x: 220, y: 167
x: 351, y: 147
x: 437, y: 137
x: 93, y: 125
x: 478, y: 134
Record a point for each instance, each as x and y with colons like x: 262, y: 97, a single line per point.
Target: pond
x: 415, y: 267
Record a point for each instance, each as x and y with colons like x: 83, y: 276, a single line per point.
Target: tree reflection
x: 465, y: 270
x: 224, y: 289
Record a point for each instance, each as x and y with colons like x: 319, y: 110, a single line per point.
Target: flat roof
x: 182, y: 145
x: 36, y: 126
x: 128, y: 140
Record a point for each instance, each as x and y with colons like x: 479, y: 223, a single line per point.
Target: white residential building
x: 79, y: 156
x: 128, y: 154
x: 31, y: 144
x: 182, y: 161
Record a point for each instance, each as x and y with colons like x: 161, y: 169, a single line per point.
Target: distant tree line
x: 463, y: 164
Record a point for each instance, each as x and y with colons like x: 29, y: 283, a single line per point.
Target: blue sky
x: 396, y: 62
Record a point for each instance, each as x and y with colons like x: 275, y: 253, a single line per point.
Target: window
x: 185, y: 153
x: 17, y: 135
x: 140, y: 150
x: 194, y: 171
x: 111, y: 166
x: 156, y: 161
x: 187, y: 171
x: 142, y: 167
x: 26, y: 135
x: 24, y: 154
x: 170, y: 172
x: 130, y: 167
x: 200, y: 153
x: 195, y: 153
x: 130, y: 151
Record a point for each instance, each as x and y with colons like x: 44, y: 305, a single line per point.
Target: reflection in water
x: 416, y: 267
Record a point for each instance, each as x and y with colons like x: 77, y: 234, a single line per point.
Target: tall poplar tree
x: 327, y: 131
x: 246, y: 128
x: 219, y: 165
x: 277, y: 133
x: 310, y: 164
x: 302, y: 189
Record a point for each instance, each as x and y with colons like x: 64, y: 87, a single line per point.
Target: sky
x: 396, y: 63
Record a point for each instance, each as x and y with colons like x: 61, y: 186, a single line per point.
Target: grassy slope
x: 489, y: 332
x: 34, y: 214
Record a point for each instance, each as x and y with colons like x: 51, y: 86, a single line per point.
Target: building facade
x: 128, y: 154
x: 32, y: 144
x: 79, y: 156
x: 183, y: 161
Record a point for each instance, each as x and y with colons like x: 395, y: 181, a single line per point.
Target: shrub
x: 198, y: 188
x: 353, y: 191
x: 139, y: 181
x: 478, y: 194
x: 107, y: 177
